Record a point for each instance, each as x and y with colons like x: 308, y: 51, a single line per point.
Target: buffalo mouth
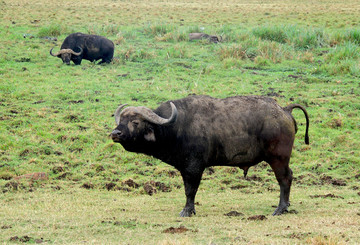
x: 115, y: 135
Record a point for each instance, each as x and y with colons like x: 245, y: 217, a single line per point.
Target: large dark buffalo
x: 78, y: 46
x: 200, y: 131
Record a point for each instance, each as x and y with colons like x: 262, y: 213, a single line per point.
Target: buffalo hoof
x: 280, y: 210
x: 187, y: 212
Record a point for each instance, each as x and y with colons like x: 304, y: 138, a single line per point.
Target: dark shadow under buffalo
x: 79, y: 46
x: 197, y: 132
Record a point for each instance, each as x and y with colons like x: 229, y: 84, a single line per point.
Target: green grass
x: 57, y: 119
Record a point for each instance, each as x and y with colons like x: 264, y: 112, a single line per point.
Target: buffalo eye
x: 135, y: 122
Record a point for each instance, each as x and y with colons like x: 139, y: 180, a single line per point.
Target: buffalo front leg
x: 191, y: 182
x: 284, y: 177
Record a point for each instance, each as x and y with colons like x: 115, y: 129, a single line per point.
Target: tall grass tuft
x: 103, y: 30
x: 176, y: 36
x: 354, y: 35
x: 274, y: 51
x: 346, y: 51
x: 52, y: 30
x: 236, y: 51
x: 350, y: 35
x: 308, y: 38
x: 300, y: 37
x: 271, y: 33
x: 158, y: 29
x: 343, y: 59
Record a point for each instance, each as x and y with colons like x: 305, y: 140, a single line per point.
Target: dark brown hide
x: 79, y: 46
x: 237, y: 131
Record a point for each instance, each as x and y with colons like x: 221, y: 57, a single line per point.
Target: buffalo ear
x: 150, y: 135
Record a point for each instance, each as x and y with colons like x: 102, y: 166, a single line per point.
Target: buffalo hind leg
x: 284, y: 177
x: 105, y: 60
x: 191, y: 182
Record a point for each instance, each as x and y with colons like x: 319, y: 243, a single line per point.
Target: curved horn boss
x: 117, y: 113
x: 148, y: 114
x: 152, y: 117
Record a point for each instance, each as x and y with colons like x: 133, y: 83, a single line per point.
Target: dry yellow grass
x: 102, y: 217
x: 211, y: 12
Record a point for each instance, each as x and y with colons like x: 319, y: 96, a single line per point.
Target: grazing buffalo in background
x: 211, y: 38
x: 78, y: 46
x: 197, y: 132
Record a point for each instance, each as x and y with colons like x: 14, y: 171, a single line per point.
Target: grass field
x: 56, y: 119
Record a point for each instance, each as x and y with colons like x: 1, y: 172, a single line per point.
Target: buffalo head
x: 67, y: 55
x: 136, y: 125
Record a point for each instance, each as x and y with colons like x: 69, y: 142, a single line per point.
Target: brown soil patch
x: 174, y: 230
x: 87, y: 186
x: 33, y: 176
x: 330, y: 180
x: 152, y: 187
x: 131, y: 183
x: 257, y: 217
x: 326, y: 196
x: 234, y: 213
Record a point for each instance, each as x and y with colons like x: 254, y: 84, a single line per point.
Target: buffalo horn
x: 117, y: 113
x: 152, y: 117
x: 74, y: 53
x: 54, y: 54
x: 64, y: 51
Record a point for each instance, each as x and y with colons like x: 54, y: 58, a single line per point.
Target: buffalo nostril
x: 116, y: 133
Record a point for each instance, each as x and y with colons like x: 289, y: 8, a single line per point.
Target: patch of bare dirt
x: 173, y: 230
x: 173, y: 173
x: 27, y: 239
x: 87, y: 186
x: 254, y: 178
x: 110, y: 186
x: 326, y: 196
x: 33, y: 176
x: 298, y: 235
x: 330, y: 180
x: 131, y: 183
x: 234, y: 213
x: 237, y: 187
x: 151, y: 187
x: 257, y: 217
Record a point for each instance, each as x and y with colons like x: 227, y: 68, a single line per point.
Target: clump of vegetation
x: 271, y: 33
x: 53, y: 30
x: 158, y: 29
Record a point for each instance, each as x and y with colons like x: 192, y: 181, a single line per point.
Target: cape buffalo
x: 197, y: 132
x: 78, y: 46
x: 199, y: 35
